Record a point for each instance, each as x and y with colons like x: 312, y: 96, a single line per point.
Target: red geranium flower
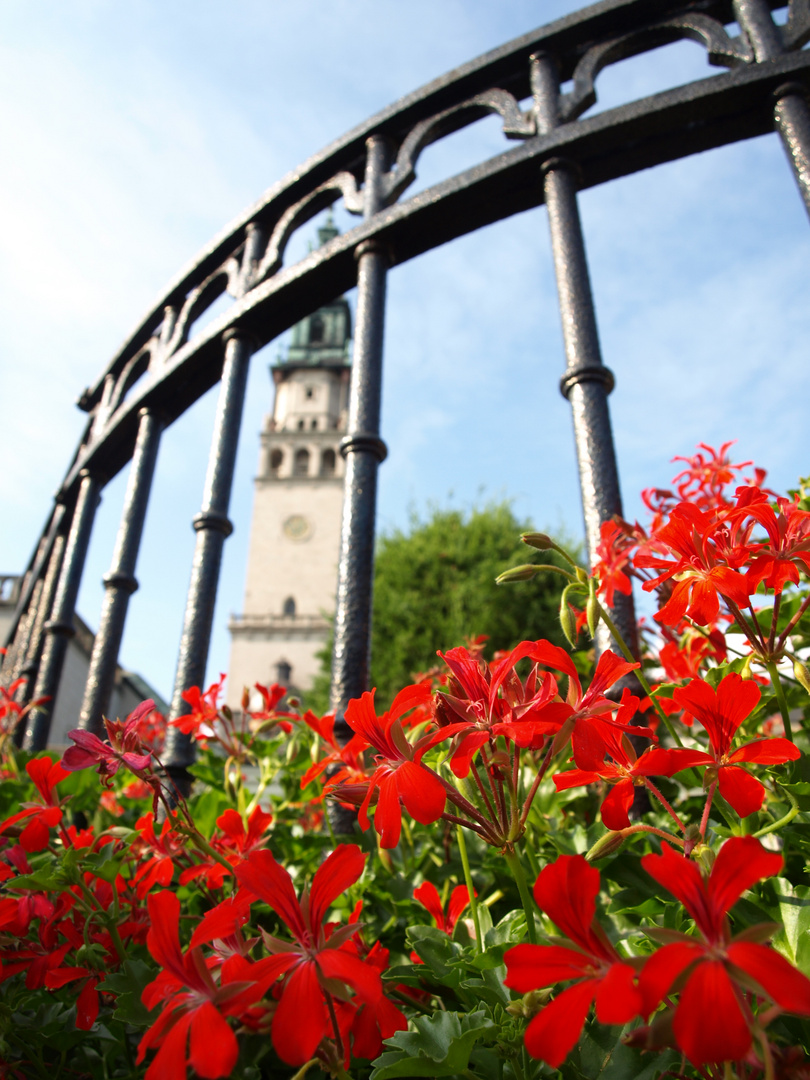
x: 622, y: 769
x: 700, y: 573
x: 314, y: 963
x: 192, y: 1028
x: 399, y: 773
x: 124, y: 748
x: 712, y: 1020
x: 492, y: 701
x: 721, y: 712
x: 204, y: 710
x: 567, y: 890
x: 41, y: 817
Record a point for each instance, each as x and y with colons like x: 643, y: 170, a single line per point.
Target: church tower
x: 295, y: 534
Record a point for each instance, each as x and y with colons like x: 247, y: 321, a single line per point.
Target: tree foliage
x: 434, y: 587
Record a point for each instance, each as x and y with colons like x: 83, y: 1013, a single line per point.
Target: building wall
x: 291, y: 574
x: 129, y: 690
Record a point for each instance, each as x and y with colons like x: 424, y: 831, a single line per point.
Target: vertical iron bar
x: 212, y: 526
x: 363, y: 450
x: 587, y: 382
x: 30, y: 662
x: 37, y: 566
x: 791, y: 110
x: 120, y: 582
x: 17, y: 651
x: 60, y: 625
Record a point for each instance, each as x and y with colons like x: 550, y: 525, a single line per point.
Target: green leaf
x: 793, y: 904
x: 433, y: 947
x: 128, y: 984
x: 440, y: 1046
x: 601, y: 1053
x: 103, y: 864
x: 44, y: 880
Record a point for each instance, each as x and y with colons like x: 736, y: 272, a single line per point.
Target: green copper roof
x: 322, y: 339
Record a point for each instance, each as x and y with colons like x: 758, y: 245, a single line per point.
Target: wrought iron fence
x: 559, y: 150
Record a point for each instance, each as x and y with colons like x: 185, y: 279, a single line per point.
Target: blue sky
x: 132, y: 133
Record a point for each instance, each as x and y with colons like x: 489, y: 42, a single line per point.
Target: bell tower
x: 295, y: 533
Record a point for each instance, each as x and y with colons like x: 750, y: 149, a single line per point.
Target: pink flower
x: 124, y: 748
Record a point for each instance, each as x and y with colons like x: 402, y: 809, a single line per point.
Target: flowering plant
x: 560, y: 864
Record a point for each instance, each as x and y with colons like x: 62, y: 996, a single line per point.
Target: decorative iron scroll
x: 552, y: 149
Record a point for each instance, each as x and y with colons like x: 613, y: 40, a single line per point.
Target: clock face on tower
x: 297, y: 527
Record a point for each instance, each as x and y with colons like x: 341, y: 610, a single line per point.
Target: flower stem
x: 650, y: 786
x: 767, y: 1056
x: 535, y: 785
x: 465, y: 862
x: 773, y: 671
x: 789, y: 816
x: 513, y: 862
x: 642, y: 678
x: 788, y: 629
x: 704, y: 821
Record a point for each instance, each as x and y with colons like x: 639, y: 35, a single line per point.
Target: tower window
x: 289, y: 606
x: 328, y: 463
x: 317, y: 330
x: 283, y: 673
x: 309, y: 392
x: 301, y: 463
x: 300, y: 425
x: 314, y: 424
x: 276, y: 461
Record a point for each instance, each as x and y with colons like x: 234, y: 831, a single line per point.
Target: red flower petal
x: 214, y: 1050
x: 574, y: 778
x: 87, y: 1006
x: 780, y: 980
x: 428, y: 896
x: 740, y: 862
x: 615, y: 807
x: 459, y: 899
x: 270, y: 882
x: 618, y: 999
x: 422, y: 792
x: 740, y: 789
x: 709, y: 1024
x: 663, y: 968
x: 301, y: 1019
x: 361, y: 977
x: 767, y: 752
x: 170, y: 1060
x: 388, y: 815
x: 567, y: 890
x: 683, y: 879
x: 340, y: 870
x: 530, y: 967
x: 553, y: 1033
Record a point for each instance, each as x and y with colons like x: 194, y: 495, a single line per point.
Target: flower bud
x: 704, y: 857
x: 592, y: 611
x: 802, y: 673
x: 538, y: 540
x: 517, y: 573
x: 530, y: 1004
x: 606, y: 845
x: 568, y: 623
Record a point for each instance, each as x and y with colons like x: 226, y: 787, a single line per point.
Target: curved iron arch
x: 162, y: 368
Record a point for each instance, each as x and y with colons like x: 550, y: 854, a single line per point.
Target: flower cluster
x: 662, y: 825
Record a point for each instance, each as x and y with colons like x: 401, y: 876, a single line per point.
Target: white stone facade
x: 295, y: 533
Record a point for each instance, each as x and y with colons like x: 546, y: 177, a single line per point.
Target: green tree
x: 434, y: 587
